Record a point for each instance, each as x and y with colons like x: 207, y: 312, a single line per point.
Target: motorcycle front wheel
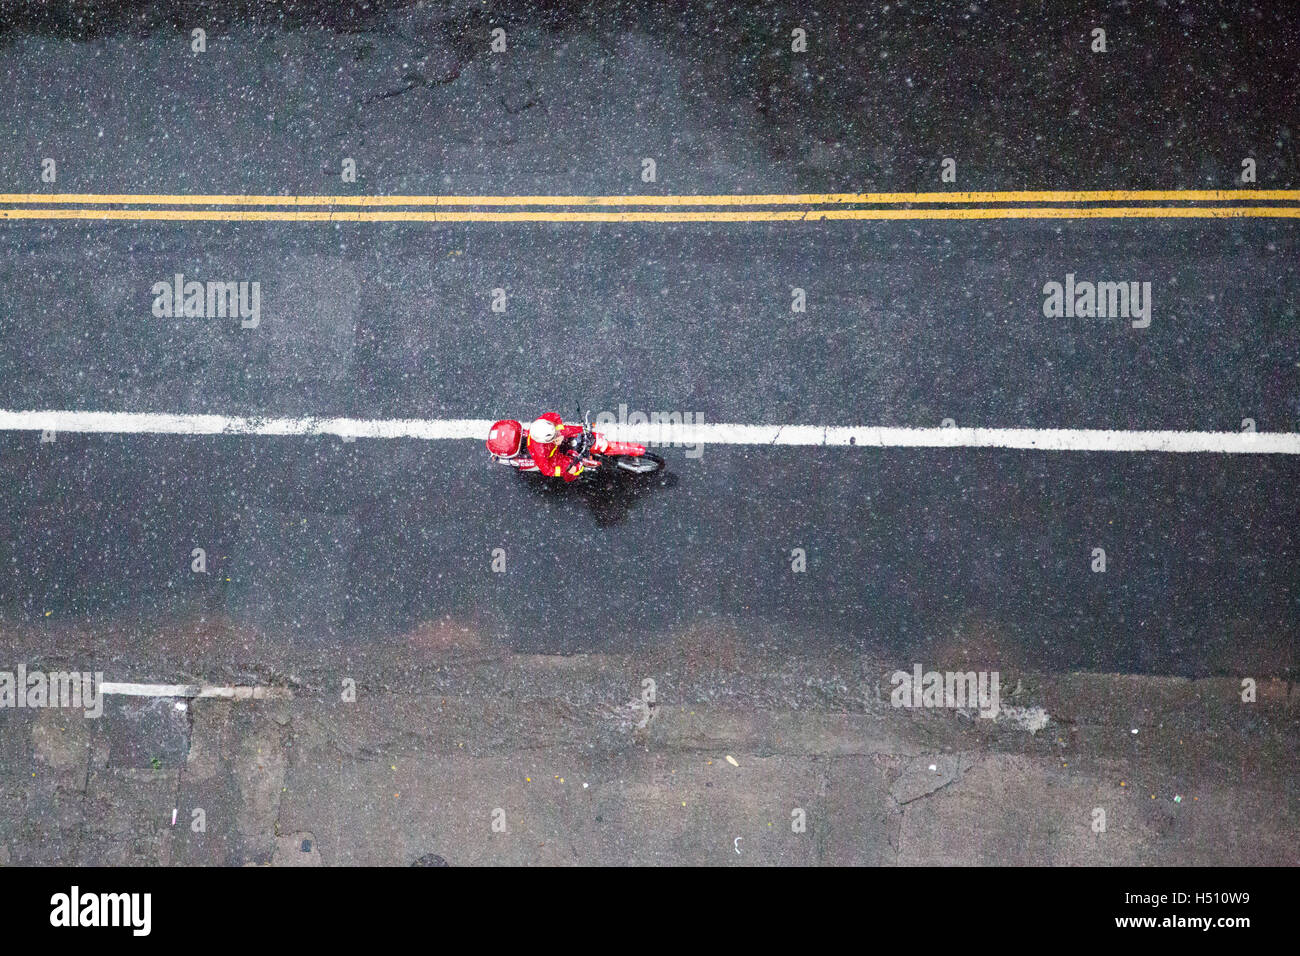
x: 646, y: 464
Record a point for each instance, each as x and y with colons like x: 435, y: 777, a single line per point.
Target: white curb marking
x: 195, y: 690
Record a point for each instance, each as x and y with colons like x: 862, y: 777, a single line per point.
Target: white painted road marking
x: 1040, y: 439
x: 194, y: 690
x: 149, y: 690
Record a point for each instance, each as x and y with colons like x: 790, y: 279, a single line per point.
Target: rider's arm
x: 571, y: 468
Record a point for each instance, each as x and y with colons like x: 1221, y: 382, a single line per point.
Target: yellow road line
x: 756, y: 215
x: 772, y: 199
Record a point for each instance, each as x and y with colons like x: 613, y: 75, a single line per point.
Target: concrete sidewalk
x: 541, y: 760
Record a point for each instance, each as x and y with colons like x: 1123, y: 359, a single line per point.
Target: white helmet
x: 542, y: 431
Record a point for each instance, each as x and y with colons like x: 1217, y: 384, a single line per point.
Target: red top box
x: 505, y: 438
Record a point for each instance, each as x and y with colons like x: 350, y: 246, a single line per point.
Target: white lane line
x: 194, y: 690
x: 1041, y: 439
x: 167, y: 424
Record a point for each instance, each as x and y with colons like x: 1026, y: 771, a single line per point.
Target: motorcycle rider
x: 548, y: 439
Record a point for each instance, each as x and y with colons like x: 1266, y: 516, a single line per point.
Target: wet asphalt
x: 915, y: 555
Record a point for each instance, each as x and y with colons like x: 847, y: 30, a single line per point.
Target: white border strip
x: 1040, y: 439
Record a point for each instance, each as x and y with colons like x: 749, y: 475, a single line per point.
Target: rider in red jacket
x: 546, y: 436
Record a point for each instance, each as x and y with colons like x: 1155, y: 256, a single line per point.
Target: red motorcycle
x: 506, y: 443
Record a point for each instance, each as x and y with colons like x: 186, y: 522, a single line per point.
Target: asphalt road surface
x: 980, y: 555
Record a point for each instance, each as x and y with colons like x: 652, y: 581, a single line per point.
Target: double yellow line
x: 763, y: 207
